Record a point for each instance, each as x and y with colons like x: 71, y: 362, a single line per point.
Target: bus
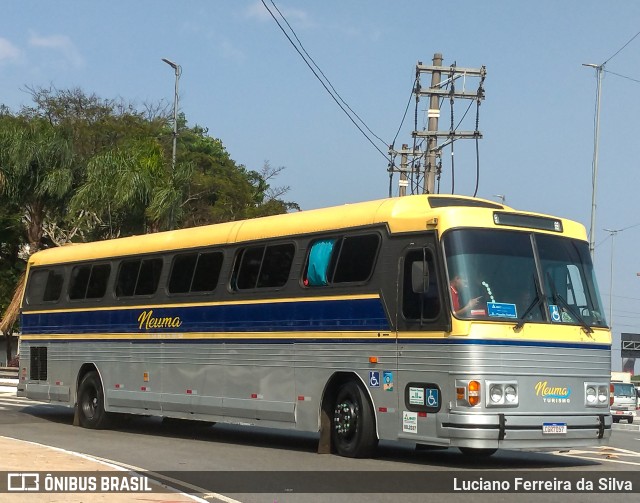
x: 338, y: 321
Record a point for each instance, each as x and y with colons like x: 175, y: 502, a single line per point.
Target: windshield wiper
x: 537, y: 300
x: 557, y: 297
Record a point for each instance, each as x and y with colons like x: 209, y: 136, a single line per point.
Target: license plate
x: 554, y: 428
x: 618, y: 412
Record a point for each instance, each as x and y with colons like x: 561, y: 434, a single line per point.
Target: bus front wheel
x: 91, y: 413
x: 352, y: 426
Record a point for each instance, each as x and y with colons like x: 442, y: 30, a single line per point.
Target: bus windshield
x: 524, y: 277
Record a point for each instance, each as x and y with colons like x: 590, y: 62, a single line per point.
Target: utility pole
x: 433, y: 115
x: 404, y: 183
x: 425, y: 180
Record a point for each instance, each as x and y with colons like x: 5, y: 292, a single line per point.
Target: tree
x: 11, y: 266
x: 36, y: 172
x: 221, y: 190
x: 86, y: 168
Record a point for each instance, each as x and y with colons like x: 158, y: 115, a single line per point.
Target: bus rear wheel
x: 91, y: 413
x: 353, y: 431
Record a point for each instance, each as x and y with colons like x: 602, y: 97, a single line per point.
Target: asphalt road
x: 186, y: 452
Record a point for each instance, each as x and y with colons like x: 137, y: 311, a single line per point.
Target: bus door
x: 423, y: 358
x: 422, y: 295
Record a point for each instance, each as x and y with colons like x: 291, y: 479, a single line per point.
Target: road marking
x: 208, y: 495
x: 124, y: 467
x: 612, y: 455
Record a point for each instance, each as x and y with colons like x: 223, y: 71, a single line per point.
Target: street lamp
x: 594, y: 170
x: 178, y: 71
x: 613, y: 233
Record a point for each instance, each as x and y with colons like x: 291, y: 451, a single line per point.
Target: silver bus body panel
x: 281, y: 385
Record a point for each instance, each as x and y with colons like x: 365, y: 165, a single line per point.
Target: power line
x: 621, y: 48
x: 405, y: 112
x: 336, y: 97
x: 622, y: 76
x: 322, y: 73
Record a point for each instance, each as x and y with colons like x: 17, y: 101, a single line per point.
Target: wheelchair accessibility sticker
x: 374, y: 378
x: 432, y: 398
x: 554, y: 311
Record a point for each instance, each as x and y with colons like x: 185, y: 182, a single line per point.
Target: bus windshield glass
x: 525, y: 277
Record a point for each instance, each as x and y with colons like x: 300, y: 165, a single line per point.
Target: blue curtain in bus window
x: 319, y: 259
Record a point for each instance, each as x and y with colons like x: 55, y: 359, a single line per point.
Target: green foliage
x: 37, y: 170
x: 11, y: 266
x: 76, y: 167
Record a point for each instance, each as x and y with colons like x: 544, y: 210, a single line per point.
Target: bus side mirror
x: 419, y: 277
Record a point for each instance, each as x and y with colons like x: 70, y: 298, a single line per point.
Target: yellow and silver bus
x: 438, y: 320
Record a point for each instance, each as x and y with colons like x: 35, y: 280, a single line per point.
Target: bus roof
x: 401, y: 214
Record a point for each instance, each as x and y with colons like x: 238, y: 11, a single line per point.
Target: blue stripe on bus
x: 325, y: 315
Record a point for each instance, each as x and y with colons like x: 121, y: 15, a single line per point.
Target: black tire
x: 91, y: 413
x: 630, y: 420
x: 616, y: 419
x: 477, y: 453
x: 353, y: 432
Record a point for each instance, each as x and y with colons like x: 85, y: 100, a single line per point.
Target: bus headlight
x: 603, y: 396
x: 496, y: 394
x: 596, y: 394
x: 511, y: 394
x: 502, y: 394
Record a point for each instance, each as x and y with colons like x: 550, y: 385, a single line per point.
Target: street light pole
x: 178, y: 71
x: 613, y: 233
x: 594, y: 170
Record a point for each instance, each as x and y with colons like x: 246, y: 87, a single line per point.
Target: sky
x: 242, y: 79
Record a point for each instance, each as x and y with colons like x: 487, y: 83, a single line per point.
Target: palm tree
x: 130, y: 189
x: 36, y: 172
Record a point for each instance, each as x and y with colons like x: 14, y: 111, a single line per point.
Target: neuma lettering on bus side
x: 146, y: 321
x: 553, y: 394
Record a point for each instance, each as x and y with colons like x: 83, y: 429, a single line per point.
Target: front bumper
x: 524, y: 431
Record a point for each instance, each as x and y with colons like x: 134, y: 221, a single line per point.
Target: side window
x: 347, y: 259
x: 79, y: 281
x: 263, y: 266
x: 276, y: 266
x: 249, y: 267
x: 195, y: 272
x: 424, y: 305
x: 89, y: 282
x: 138, y: 277
x: 44, y: 286
x: 357, y: 258
x: 127, y: 277
x: 53, y: 288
